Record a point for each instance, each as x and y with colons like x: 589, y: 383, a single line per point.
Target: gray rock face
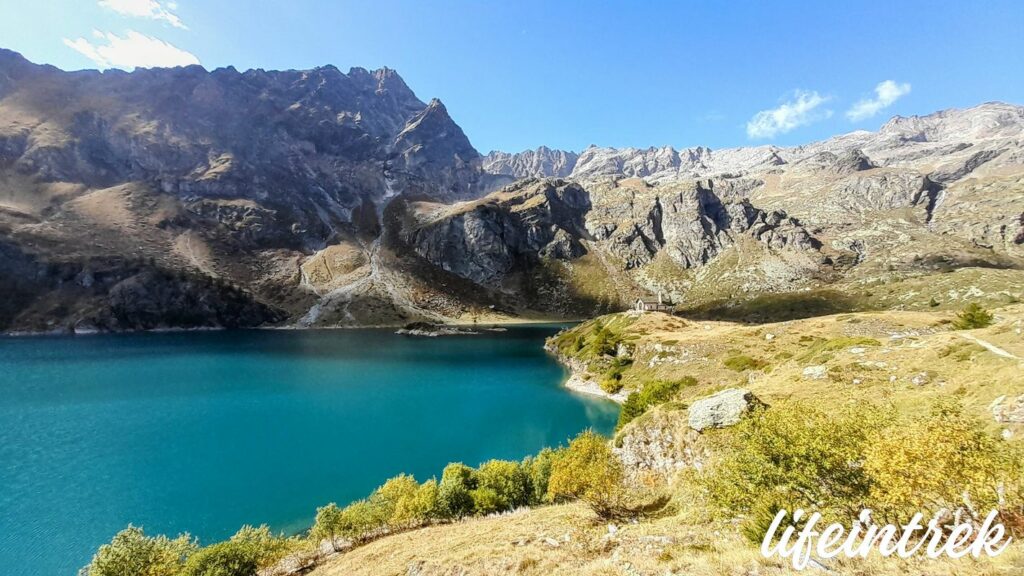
x: 508, y: 230
x: 484, y: 240
x: 725, y: 408
x: 310, y: 145
x: 693, y: 225
x: 1008, y: 410
x: 232, y: 176
x: 958, y: 171
x: 657, y: 447
x: 540, y: 163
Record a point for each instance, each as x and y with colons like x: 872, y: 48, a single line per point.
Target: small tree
x: 589, y: 471
x: 132, y: 552
x: 363, y: 518
x: 508, y: 480
x: 651, y: 395
x: 395, y: 498
x: 539, y: 469
x: 972, y: 316
x: 418, y: 507
x: 329, y: 524
x: 223, y: 559
x: 453, y: 494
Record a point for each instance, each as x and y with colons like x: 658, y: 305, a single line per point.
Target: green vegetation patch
x: 742, y: 362
x: 651, y: 395
x: 821, y: 348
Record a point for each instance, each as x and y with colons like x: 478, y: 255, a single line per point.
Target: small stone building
x: 653, y: 304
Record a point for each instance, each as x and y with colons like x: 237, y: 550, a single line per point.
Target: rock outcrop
x: 720, y: 410
x: 510, y: 230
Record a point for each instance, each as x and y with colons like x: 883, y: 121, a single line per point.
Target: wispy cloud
x: 146, y: 9
x: 885, y: 94
x: 133, y: 50
x: 803, y: 109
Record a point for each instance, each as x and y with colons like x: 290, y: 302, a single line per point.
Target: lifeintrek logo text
x: 934, y: 539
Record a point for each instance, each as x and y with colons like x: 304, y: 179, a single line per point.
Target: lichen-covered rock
x: 1008, y: 410
x: 657, y: 445
x: 815, y: 372
x: 722, y: 409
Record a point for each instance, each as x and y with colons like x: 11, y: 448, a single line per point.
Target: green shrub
x: 798, y: 454
x: 604, y: 342
x: 362, y: 518
x: 509, y: 482
x: 453, y: 495
x: 417, y: 508
x: 539, y: 469
x: 221, y: 559
x: 945, y: 459
x: 328, y: 525
x: 651, y: 395
x: 741, y: 362
x: 589, y: 471
x: 612, y: 380
x: 971, y: 317
x: 486, y: 501
x: 132, y: 552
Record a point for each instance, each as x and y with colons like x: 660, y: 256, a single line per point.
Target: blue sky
x: 523, y: 73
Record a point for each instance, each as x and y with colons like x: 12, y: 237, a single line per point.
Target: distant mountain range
x: 186, y: 198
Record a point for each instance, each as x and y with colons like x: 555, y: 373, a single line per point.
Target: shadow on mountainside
x: 769, y: 308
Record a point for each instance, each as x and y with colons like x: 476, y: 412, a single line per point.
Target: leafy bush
x: 486, y: 501
x: 509, y: 482
x: 132, y: 552
x: 223, y: 559
x: 454, y: 498
x: 612, y: 381
x: 741, y: 362
x: 589, y: 471
x: 328, y: 525
x: 418, y: 507
x: 651, y: 395
x: 944, y: 459
x: 604, y: 342
x: 363, y: 518
x: 971, y: 317
x: 403, y: 503
x: 539, y: 469
x: 797, y: 454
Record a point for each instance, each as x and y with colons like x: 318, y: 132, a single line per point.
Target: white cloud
x: 887, y: 92
x: 145, y: 9
x: 133, y: 50
x: 803, y: 109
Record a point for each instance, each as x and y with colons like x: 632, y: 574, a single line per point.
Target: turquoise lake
x: 206, y: 431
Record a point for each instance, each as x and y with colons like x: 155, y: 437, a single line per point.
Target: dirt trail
x: 991, y: 347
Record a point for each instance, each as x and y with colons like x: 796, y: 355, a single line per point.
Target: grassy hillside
x: 903, y: 356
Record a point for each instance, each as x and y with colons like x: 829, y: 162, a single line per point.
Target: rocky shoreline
x: 578, y: 380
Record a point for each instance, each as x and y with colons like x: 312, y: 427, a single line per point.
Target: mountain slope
x: 230, y: 177
x: 319, y: 198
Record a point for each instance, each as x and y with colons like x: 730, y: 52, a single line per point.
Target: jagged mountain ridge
x: 182, y: 197
x: 229, y: 178
x: 990, y: 121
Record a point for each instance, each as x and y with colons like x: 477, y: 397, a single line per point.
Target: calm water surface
x: 205, y: 432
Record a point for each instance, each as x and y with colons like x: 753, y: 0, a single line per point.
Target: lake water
x: 206, y: 431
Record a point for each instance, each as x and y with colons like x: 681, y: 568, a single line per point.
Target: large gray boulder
x: 722, y: 409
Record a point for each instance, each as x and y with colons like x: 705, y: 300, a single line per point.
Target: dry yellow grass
x: 569, y: 540
x: 898, y: 356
